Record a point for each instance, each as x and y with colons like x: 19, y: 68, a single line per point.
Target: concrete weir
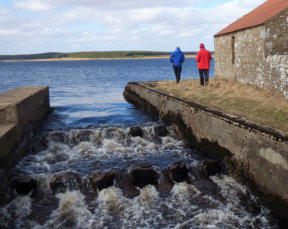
x: 18, y: 108
x: 254, y: 154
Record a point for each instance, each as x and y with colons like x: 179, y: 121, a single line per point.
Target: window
x: 233, y: 49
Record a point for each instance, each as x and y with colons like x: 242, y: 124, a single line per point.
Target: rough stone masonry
x: 256, y: 56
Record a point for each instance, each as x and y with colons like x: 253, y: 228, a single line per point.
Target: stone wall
x: 256, y: 56
x: 253, y: 153
x: 249, y: 51
x: 276, y: 34
x: 277, y: 73
x: 276, y: 53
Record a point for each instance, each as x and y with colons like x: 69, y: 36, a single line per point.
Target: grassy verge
x: 92, y: 55
x: 234, y: 98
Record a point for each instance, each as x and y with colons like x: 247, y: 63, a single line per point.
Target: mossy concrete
x: 255, y: 154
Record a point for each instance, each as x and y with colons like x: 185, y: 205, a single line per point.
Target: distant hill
x: 47, y: 55
x: 106, y: 54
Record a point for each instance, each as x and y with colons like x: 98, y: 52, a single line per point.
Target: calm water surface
x: 88, y: 133
x: 90, y: 92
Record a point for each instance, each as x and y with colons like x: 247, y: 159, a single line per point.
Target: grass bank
x: 92, y: 55
x: 234, y: 98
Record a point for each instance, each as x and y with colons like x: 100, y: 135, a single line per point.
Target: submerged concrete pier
x: 254, y: 154
x: 18, y: 108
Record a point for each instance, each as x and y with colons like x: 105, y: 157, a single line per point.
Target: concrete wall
x: 260, y: 55
x: 255, y: 154
x: 18, y: 108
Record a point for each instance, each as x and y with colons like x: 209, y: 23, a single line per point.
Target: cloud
x: 33, y: 5
x: 87, y: 25
x: 38, y: 5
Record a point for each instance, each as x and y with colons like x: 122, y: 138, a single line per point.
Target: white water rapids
x: 215, y: 202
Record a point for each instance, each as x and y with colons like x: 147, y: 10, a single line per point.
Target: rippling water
x: 88, y: 133
x: 90, y: 92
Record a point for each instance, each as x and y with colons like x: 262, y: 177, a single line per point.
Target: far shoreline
x: 77, y: 59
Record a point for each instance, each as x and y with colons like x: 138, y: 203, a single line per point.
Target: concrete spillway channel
x: 254, y: 154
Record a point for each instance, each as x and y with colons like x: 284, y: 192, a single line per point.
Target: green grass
x: 234, y: 98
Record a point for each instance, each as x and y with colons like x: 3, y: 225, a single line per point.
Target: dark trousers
x: 204, y: 76
x: 177, y: 71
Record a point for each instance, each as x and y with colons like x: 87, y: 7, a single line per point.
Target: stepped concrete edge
x: 254, y: 154
x: 19, y: 107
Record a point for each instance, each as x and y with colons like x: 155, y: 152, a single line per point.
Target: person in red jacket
x: 203, y: 58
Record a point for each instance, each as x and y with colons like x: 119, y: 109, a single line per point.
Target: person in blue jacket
x: 177, y: 58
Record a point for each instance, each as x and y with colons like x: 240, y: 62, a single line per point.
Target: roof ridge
x: 257, y: 16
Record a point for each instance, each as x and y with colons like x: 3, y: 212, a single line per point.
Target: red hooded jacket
x: 203, y: 58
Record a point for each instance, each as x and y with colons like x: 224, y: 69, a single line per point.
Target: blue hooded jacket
x: 177, y: 57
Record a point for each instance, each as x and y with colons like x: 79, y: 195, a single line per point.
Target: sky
x: 38, y: 26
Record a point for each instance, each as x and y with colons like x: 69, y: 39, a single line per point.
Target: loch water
x: 87, y: 133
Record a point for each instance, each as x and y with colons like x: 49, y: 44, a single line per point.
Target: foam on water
x: 44, y: 185
x: 229, y: 187
x: 111, y: 143
x: 14, y: 214
x: 112, y: 209
x: 181, y: 205
x: 229, y: 213
x: 184, y: 189
x: 72, y: 212
x: 148, y: 194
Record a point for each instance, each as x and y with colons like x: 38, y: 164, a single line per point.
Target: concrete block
x: 18, y: 108
x: 8, y: 134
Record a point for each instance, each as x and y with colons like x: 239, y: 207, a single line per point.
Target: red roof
x: 256, y: 17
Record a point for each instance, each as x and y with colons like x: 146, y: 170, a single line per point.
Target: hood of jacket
x: 177, y: 50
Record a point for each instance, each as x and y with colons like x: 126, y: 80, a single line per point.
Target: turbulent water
x: 216, y: 203
x: 89, y: 133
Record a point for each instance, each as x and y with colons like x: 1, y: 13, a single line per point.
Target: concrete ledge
x: 8, y: 133
x: 256, y: 155
x: 18, y: 108
x: 7, y: 113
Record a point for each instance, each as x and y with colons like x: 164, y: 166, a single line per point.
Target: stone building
x: 254, y: 49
